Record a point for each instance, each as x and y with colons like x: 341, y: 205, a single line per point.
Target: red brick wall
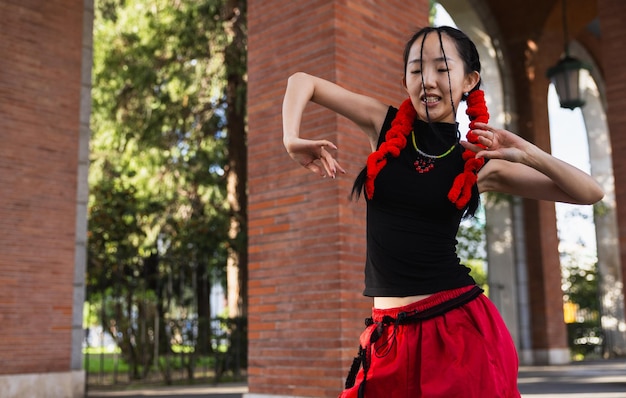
x: 306, y: 239
x: 40, y: 58
x: 612, y: 13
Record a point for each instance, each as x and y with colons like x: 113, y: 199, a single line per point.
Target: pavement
x: 230, y: 390
x: 598, y: 379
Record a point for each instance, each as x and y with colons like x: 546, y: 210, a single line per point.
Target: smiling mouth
x: 430, y: 99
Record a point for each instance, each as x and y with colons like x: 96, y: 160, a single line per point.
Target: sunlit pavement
x: 235, y: 390
x: 601, y: 379
x: 598, y: 379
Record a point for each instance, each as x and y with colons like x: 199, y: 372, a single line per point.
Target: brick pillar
x: 306, y: 239
x: 529, y: 60
x: 548, y: 330
x: 611, y: 13
x: 41, y: 56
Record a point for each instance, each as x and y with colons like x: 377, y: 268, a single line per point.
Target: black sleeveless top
x: 411, y: 224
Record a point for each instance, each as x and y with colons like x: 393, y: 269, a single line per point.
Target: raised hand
x: 498, y: 144
x: 314, y: 155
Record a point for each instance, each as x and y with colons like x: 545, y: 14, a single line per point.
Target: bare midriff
x: 383, y: 303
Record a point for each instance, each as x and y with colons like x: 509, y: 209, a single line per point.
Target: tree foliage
x: 580, y: 284
x: 470, y: 247
x: 158, y: 210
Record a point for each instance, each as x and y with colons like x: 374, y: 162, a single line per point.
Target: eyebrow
x: 439, y: 59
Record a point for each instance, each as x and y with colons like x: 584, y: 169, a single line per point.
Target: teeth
x: 430, y: 99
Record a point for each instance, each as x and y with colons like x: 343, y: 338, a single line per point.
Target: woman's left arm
x: 520, y: 168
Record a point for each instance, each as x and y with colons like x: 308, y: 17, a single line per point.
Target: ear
x: 404, y: 84
x: 471, y: 80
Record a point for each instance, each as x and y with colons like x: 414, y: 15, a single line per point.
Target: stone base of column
x: 64, y: 384
x: 270, y: 396
x: 555, y: 356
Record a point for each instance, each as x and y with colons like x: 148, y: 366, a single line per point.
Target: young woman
x: 432, y: 332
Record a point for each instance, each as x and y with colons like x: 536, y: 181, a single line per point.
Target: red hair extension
x: 461, y: 190
x: 395, y: 141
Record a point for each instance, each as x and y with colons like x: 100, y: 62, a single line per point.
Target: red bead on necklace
x: 426, y: 162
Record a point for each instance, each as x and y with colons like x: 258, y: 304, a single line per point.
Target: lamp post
x: 566, y: 74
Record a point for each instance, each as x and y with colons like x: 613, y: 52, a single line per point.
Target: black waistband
x: 439, y: 309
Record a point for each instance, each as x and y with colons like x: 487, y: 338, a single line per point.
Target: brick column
x: 612, y: 14
x: 529, y: 60
x: 41, y: 55
x: 548, y: 331
x: 306, y: 239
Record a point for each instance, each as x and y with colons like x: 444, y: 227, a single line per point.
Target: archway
x: 592, y: 152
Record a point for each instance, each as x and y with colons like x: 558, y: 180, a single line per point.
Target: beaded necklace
x: 426, y: 162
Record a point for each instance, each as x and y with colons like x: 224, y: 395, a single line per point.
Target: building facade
x: 307, y: 239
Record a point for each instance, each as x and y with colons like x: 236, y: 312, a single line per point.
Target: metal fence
x: 192, y: 350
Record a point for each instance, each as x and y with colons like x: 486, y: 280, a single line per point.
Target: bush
x: 585, y: 340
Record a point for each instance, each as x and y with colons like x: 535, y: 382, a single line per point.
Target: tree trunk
x: 203, y: 294
x: 237, y: 172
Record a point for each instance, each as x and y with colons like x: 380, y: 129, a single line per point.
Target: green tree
x: 167, y: 176
x: 579, y: 277
x: 471, y: 247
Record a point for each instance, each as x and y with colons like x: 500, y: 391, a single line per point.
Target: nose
x: 428, y: 79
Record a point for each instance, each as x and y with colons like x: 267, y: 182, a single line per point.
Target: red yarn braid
x: 461, y: 191
x: 396, y: 140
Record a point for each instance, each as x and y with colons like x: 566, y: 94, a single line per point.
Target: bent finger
x: 338, y: 167
x: 328, y: 164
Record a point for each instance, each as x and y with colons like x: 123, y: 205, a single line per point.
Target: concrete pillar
x: 610, y: 283
x: 611, y: 14
x: 82, y: 191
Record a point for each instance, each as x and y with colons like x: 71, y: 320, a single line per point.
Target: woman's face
x: 427, y: 80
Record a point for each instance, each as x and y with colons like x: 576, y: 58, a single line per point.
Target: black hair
x: 464, y: 45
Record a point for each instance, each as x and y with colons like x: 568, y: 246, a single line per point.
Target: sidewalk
x: 600, y: 379
x: 597, y: 379
x: 230, y: 390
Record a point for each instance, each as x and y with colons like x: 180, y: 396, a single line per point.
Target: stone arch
x: 610, y: 284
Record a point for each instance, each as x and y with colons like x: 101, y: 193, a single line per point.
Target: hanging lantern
x: 568, y: 73
x: 566, y: 76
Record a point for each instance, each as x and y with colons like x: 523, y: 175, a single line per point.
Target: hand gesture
x: 499, y: 144
x: 314, y: 155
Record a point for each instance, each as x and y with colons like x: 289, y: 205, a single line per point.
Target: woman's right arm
x: 368, y: 113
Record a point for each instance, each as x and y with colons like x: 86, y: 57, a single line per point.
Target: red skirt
x: 465, y: 352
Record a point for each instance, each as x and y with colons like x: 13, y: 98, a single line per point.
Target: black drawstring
x: 377, y: 333
x: 387, y: 320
